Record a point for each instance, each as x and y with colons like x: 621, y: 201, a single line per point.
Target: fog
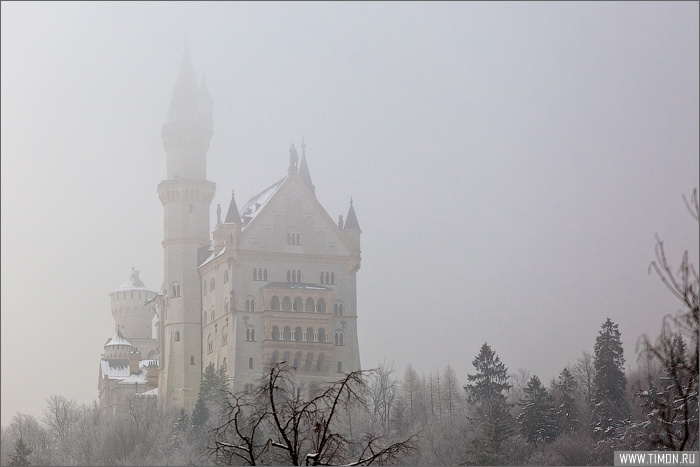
x: 509, y: 166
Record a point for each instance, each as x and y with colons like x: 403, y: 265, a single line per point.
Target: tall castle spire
x: 186, y: 196
x: 304, y: 169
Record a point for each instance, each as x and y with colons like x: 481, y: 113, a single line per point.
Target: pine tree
x: 567, y: 412
x: 537, y: 420
x: 19, y: 457
x: 212, y: 394
x: 485, y: 392
x: 611, y: 408
x: 491, y: 378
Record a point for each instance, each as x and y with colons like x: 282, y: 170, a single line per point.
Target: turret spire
x: 351, y: 220
x: 304, y: 169
x: 232, y: 216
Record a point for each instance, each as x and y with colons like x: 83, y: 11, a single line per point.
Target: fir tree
x: 537, y: 419
x: 567, y: 412
x: 611, y: 408
x: 19, y: 457
x: 212, y: 395
x: 491, y: 377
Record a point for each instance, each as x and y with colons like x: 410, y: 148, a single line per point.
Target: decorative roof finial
x: 293, y: 158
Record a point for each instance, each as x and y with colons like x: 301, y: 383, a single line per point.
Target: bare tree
x: 381, y: 395
x: 277, y: 424
x: 60, y: 416
x: 673, y: 404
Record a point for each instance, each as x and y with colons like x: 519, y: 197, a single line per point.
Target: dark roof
x: 232, y: 216
x: 117, y: 362
x: 351, y: 220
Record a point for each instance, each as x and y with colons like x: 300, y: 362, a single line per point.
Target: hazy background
x: 510, y: 164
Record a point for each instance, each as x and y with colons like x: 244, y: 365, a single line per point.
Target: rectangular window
x: 192, y: 360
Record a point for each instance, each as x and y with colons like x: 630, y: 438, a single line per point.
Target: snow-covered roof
x: 212, y: 256
x: 151, y: 393
x: 295, y: 285
x: 256, y: 204
x: 119, y: 369
x: 133, y: 283
x: 117, y: 340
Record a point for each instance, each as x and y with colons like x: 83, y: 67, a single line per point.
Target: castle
x: 277, y: 283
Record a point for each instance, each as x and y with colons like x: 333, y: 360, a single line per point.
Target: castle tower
x: 186, y: 196
x: 133, y: 318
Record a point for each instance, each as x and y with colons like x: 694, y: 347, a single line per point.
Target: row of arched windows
x: 298, y: 305
x: 260, y: 274
x: 294, y: 276
x: 132, y: 295
x: 298, y: 334
x: 299, y: 361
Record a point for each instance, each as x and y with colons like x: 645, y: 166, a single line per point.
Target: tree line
x: 497, y: 417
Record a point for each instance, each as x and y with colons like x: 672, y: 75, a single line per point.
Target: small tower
x: 186, y: 196
x: 351, y: 229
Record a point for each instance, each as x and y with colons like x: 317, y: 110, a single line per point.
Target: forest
x: 489, y: 416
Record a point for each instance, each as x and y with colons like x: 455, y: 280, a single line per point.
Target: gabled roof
x: 256, y: 204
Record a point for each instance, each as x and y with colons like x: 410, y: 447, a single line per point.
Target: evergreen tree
x: 491, y: 377
x: 19, y: 457
x: 212, y: 395
x: 537, y: 419
x: 485, y: 393
x: 567, y: 412
x: 611, y: 408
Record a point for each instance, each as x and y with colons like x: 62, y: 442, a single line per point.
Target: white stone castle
x: 276, y: 284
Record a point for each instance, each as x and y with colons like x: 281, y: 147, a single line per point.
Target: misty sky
x: 509, y: 165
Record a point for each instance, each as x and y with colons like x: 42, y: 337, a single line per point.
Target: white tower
x: 186, y: 196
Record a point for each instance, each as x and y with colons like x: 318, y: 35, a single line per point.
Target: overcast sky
x: 509, y: 165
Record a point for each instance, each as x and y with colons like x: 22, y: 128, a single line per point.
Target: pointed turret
x: 185, y: 94
x: 351, y: 220
x: 304, y: 169
x: 232, y: 216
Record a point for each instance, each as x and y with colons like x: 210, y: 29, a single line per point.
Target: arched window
x: 255, y: 274
x: 309, y: 361
x: 309, y: 335
x: 275, y: 357
x: 213, y: 284
x: 252, y: 334
x: 339, y: 338
x: 328, y: 279
x: 338, y: 309
x: 213, y: 313
x: 250, y: 363
x: 298, y: 304
x: 322, y: 335
x: 275, y: 303
x: 177, y: 336
x: 297, y: 360
x: 265, y: 275
x: 321, y: 279
x: 286, y: 357
x: 294, y: 276
x: 289, y: 275
x: 309, y: 304
x: 275, y: 333
x: 321, y: 307
x: 252, y: 305
x: 287, y: 304
x: 247, y: 304
x: 226, y: 276
x: 175, y: 290
x: 247, y: 335
x: 192, y: 360
x: 224, y: 336
x: 210, y: 344
x: 224, y: 366
x: 340, y: 367
x: 287, y: 334
x: 319, y: 362
x: 297, y: 334
x: 332, y: 277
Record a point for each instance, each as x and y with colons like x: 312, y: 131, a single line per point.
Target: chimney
x: 152, y: 375
x: 134, y: 359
